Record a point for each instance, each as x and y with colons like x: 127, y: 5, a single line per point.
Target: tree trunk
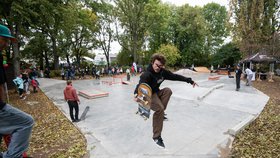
x: 108, y: 59
x: 16, y: 56
x: 68, y: 60
x: 78, y: 57
x: 47, y: 60
x: 41, y: 60
x: 134, y: 47
x: 55, y: 56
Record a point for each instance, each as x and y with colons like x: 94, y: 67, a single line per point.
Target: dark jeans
x: 19, y: 125
x: 237, y: 82
x: 20, y: 91
x: 34, y: 89
x: 73, y: 105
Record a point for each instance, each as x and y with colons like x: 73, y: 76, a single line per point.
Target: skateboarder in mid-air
x: 70, y: 95
x: 154, y: 76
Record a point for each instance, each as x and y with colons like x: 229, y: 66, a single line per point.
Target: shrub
x: 55, y: 73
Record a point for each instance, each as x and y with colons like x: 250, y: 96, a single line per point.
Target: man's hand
x: 194, y: 84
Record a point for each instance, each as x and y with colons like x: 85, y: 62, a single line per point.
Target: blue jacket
x: 19, y: 82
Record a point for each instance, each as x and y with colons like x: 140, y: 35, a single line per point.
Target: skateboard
x: 144, y: 98
x: 83, y: 116
x: 7, y: 140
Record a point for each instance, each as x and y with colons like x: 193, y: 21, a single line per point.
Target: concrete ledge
x: 93, y: 93
x: 209, y: 91
x: 212, y: 78
x: 236, y: 129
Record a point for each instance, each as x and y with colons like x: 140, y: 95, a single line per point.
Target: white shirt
x: 248, y: 71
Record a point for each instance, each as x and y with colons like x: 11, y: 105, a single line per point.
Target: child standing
x: 127, y: 74
x: 34, y: 85
x: 19, y: 83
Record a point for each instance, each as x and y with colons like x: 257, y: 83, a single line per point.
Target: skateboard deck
x: 144, y: 100
x: 83, y: 116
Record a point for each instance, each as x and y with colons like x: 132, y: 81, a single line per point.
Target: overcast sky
x: 197, y: 2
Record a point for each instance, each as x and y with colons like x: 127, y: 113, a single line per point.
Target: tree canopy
x: 50, y: 31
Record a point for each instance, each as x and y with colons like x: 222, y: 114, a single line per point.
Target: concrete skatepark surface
x: 197, y: 128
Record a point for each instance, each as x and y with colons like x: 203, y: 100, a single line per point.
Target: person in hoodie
x: 154, y: 76
x: 70, y: 95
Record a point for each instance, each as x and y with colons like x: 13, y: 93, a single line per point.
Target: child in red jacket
x: 34, y: 85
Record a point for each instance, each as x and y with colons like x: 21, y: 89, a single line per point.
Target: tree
x: 228, y: 54
x: 16, y: 15
x: 215, y: 16
x: 105, y: 33
x: 160, y: 31
x: 83, y: 38
x: 123, y: 58
x: 135, y: 17
x: 189, y: 36
x: 171, y: 53
x: 255, y: 23
x: 37, y: 49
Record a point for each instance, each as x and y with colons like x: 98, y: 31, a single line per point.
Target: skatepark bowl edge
x: 202, y: 121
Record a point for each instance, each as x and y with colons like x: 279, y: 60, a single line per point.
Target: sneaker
x: 76, y: 120
x: 159, y: 142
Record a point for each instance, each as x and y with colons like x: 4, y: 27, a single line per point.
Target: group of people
x: 23, y: 82
x: 248, y: 74
x: 70, y: 72
x: 19, y: 124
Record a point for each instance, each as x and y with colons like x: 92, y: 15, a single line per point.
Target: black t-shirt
x: 238, y: 73
x: 3, y: 77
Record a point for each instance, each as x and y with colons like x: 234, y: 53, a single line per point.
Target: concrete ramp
x: 197, y: 128
x: 185, y: 72
x: 246, y: 102
x: 202, y: 69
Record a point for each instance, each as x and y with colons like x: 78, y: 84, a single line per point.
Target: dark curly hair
x: 159, y: 57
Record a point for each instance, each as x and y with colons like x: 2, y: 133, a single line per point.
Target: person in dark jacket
x: 154, y: 76
x: 13, y: 122
x: 238, y: 73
